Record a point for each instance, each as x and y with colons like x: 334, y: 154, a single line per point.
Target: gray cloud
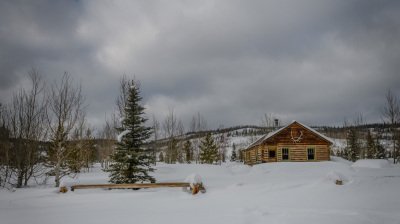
x: 232, y: 61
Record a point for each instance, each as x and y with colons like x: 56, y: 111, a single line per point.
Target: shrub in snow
x: 233, y: 155
x: 372, y: 163
x: 336, y: 177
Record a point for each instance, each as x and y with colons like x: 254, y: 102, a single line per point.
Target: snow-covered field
x: 267, y: 193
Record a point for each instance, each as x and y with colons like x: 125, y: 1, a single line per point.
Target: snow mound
x: 193, y: 179
x: 240, y: 169
x: 371, y: 163
x: 341, y: 160
x: 68, y: 183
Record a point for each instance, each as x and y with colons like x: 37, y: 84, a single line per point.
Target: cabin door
x: 272, y: 154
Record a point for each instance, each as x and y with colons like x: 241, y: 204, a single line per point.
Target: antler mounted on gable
x: 296, y: 139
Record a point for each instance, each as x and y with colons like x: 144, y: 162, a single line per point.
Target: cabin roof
x: 273, y: 133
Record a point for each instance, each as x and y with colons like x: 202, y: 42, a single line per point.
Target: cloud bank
x: 314, y: 61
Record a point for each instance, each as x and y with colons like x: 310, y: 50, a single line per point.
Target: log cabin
x: 295, y: 142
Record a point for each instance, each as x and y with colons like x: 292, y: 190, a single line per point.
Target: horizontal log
x: 129, y: 186
x: 195, y: 189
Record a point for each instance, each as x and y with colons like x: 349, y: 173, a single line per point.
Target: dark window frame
x: 271, y: 153
x: 310, y: 153
x: 285, y: 154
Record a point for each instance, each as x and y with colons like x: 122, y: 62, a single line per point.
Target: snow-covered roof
x: 316, y: 132
x: 272, y: 133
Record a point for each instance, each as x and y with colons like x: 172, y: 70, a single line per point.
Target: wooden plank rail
x: 129, y: 186
x: 196, y: 188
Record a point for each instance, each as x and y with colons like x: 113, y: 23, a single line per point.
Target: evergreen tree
x: 240, y: 155
x: 380, y: 151
x: 208, y: 150
x: 180, y: 156
x: 171, y: 155
x: 132, y: 162
x: 233, y: 156
x: 345, y: 154
x: 161, y: 157
x: 353, y: 147
x: 371, y: 148
x: 339, y: 153
x: 187, y: 147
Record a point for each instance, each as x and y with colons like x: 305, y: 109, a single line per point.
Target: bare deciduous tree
x: 107, y: 135
x: 25, y: 121
x: 156, y: 135
x: 5, y: 170
x: 391, y: 116
x: 156, y: 128
x: 180, y: 151
x: 222, y: 147
x: 170, y: 128
x: 197, y: 124
x: 267, y: 120
x: 65, y: 109
x: 122, y: 98
x: 81, y: 146
x: 170, y: 124
x: 270, y: 121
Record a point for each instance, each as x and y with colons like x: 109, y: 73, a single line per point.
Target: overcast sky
x: 312, y: 61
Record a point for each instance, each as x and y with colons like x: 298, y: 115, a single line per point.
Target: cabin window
x: 310, y: 153
x: 285, y: 154
x: 271, y: 153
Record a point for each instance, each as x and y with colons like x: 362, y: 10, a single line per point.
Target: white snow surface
x: 266, y: 193
x: 372, y: 163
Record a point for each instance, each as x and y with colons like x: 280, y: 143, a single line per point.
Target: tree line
x: 44, y: 133
x: 367, y: 141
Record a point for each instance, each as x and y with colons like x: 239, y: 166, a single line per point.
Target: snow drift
x: 237, y: 194
x: 372, y: 163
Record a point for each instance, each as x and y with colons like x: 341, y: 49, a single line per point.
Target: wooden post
x: 63, y: 189
x: 195, y: 189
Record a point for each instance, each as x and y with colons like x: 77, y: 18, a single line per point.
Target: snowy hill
x: 266, y: 193
x: 240, y: 136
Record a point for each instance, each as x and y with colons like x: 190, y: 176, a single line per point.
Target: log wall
x: 297, y: 153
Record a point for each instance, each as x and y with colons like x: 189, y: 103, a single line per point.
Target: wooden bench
x: 194, y: 190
